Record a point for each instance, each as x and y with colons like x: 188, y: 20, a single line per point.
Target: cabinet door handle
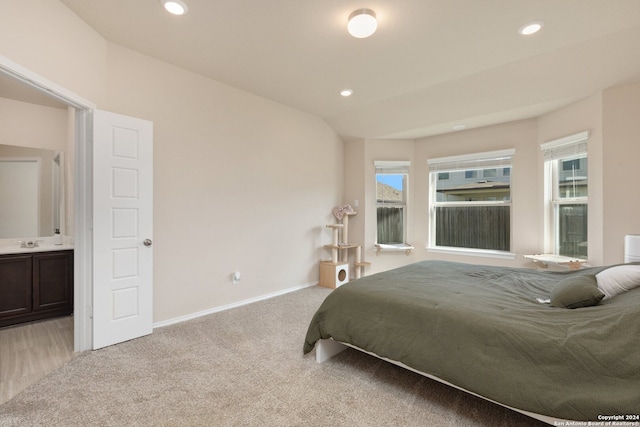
x: 147, y: 242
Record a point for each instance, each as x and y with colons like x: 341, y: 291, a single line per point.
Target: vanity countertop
x: 42, y: 248
x: 45, y: 244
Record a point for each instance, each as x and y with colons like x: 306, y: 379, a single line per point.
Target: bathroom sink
x: 43, y: 247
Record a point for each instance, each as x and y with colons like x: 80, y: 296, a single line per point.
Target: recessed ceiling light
x: 530, y: 28
x: 362, y: 23
x: 346, y: 92
x: 176, y: 7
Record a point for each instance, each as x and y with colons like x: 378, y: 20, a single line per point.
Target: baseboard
x: 229, y: 306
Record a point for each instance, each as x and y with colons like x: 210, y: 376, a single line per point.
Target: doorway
x: 82, y: 111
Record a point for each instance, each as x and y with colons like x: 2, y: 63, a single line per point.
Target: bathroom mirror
x: 31, y: 191
x: 32, y: 180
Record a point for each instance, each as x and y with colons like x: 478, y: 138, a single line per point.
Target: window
x: 566, y: 196
x: 391, y: 201
x: 570, y: 165
x: 490, y: 173
x: 468, y: 213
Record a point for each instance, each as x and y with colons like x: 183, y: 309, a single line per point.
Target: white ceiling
x: 431, y: 64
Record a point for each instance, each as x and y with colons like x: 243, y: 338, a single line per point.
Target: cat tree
x: 335, y: 272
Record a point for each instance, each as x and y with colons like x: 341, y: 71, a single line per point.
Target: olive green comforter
x: 481, y: 328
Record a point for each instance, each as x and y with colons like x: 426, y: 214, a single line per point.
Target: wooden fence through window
x: 478, y: 227
x: 390, y: 224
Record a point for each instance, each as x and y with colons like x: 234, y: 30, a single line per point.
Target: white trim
x: 392, y: 167
x: 393, y: 247
x: 83, y: 236
x: 566, y: 140
x: 195, y: 315
x: 569, y: 147
x: 392, y: 163
x: 474, y: 203
x: 485, y: 253
x: 473, y: 157
x: 10, y: 68
x: 384, y: 247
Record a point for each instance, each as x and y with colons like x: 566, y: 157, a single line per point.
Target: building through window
x: 471, y: 210
x: 566, y: 196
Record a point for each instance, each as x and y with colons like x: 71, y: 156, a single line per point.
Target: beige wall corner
x: 621, y: 174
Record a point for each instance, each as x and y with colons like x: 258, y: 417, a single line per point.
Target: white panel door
x: 122, y: 228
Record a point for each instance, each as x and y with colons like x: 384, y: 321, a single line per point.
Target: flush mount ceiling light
x: 176, y: 7
x: 362, y: 23
x: 531, y: 28
x: 346, y: 92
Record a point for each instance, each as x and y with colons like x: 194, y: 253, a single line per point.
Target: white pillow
x: 618, y: 279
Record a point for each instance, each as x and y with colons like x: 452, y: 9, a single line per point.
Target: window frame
x: 568, y: 148
x: 498, y: 160
x: 392, y: 167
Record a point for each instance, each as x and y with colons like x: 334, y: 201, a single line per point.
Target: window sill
x: 471, y: 252
x: 382, y: 247
x: 544, y: 260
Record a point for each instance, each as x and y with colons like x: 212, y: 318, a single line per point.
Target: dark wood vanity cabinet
x: 15, y: 286
x: 35, y: 286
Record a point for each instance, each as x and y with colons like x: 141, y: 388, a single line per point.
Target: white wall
x: 621, y: 157
x: 45, y: 37
x: 241, y: 182
x: 354, y: 190
x: 17, y: 125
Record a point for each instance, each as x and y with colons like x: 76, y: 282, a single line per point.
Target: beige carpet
x: 243, y: 367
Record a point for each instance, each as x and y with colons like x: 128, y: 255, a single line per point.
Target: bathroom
x: 36, y: 200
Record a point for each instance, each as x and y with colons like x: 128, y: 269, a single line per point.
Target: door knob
x: 147, y: 242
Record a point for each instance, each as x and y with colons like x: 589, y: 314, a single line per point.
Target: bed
x: 491, y: 331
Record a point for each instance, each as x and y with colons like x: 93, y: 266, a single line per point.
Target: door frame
x: 83, y: 196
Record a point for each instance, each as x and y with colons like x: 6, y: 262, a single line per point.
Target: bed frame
x: 327, y: 348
